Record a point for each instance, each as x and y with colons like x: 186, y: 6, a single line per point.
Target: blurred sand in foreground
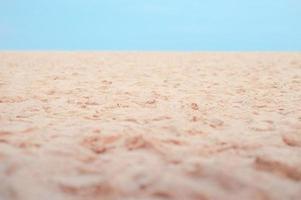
x: 182, y: 126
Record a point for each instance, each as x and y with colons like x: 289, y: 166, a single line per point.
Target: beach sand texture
x: 181, y: 126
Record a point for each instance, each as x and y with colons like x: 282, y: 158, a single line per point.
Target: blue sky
x: 177, y: 25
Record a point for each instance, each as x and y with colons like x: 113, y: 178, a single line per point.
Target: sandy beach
x: 150, y: 126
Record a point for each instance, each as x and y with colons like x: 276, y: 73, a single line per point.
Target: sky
x: 154, y: 25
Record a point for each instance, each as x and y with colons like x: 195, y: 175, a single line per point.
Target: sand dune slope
x: 201, y: 126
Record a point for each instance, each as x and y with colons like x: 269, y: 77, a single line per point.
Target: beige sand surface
x: 182, y: 126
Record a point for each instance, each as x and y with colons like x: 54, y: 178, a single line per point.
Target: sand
x: 182, y: 126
